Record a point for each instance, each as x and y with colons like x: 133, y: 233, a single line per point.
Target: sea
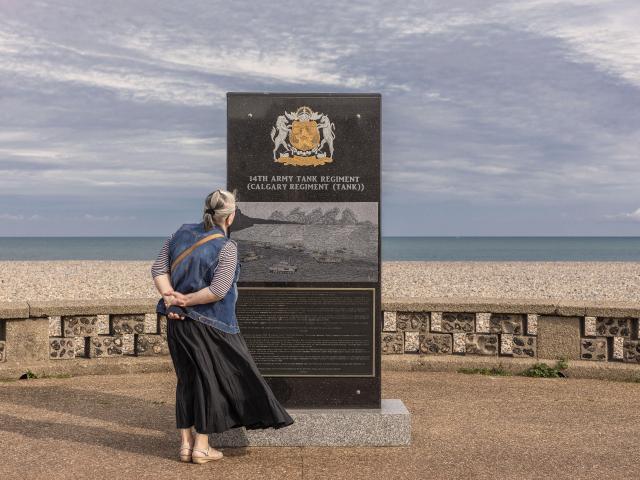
x: 580, y: 249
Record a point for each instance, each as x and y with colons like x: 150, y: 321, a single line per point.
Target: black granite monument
x: 307, y: 172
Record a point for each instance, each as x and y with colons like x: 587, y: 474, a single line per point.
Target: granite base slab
x: 389, y: 425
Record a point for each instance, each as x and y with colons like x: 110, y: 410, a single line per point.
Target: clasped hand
x: 173, y: 297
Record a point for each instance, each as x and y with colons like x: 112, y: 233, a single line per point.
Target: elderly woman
x: 219, y: 386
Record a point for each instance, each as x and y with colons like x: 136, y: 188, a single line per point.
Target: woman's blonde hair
x: 217, y: 207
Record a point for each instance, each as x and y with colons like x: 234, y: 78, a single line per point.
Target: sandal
x: 184, y: 457
x: 207, y: 458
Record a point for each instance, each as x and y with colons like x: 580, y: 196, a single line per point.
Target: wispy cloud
x: 601, y: 32
x: 18, y: 217
x: 487, y: 105
x: 107, y: 218
x: 629, y: 217
x: 283, y: 63
x: 28, y: 57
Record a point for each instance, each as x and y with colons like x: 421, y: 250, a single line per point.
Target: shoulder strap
x: 187, y: 251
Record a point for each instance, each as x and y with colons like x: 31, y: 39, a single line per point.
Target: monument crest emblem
x: 303, y: 138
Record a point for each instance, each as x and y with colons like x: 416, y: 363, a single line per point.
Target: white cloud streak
x: 629, y: 217
x: 534, y: 102
x: 18, y: 217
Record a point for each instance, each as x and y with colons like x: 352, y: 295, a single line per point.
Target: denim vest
x: 196, y: 271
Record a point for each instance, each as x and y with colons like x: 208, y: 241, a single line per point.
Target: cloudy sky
x: 499, y: 117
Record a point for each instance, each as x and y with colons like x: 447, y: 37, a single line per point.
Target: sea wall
x: 598, y: 339
x: 82, y: 337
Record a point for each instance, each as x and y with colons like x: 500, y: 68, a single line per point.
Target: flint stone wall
x: 513, y: 328
x: 67, y: 333
x: 78, y: 330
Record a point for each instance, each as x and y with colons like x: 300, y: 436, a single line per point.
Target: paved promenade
x: 464, y: 426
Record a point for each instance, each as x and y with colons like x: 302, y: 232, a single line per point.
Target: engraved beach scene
x: 310, y: 241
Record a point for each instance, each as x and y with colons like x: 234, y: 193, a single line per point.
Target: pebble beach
x: 595, y: 281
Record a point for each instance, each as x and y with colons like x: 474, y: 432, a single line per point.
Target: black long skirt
x: 219, y: 386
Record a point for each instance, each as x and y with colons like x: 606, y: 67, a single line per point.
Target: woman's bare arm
x: 200, y: 297
x: 163, y: 284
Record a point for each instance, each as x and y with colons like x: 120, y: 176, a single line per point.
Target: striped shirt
x: 222, y: 275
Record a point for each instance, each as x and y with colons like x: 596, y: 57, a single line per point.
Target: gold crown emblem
x: 303, y: 137
x: 304, y: 113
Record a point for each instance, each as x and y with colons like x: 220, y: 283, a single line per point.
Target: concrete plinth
x: 389, y: 425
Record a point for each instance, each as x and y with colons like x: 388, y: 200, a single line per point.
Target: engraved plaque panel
x: 306, y: 168
x: 308, y: 331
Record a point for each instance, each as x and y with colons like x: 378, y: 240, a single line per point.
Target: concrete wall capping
x: 45, y: 308
x: 469, y: 304
x: 14, y: 310
x: 513, y: 305
x: 613, y: 309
